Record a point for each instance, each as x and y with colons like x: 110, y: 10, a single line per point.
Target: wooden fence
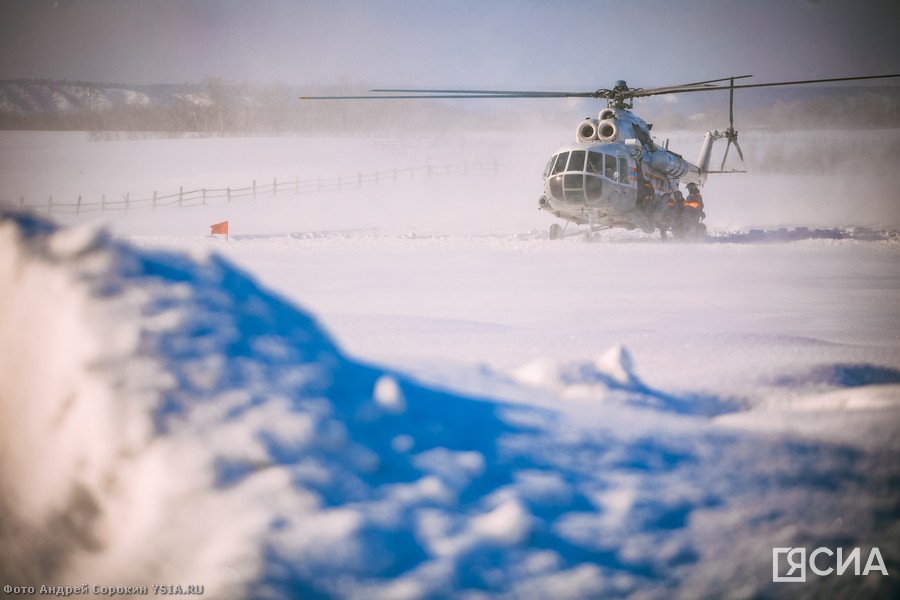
x: 296, y: 186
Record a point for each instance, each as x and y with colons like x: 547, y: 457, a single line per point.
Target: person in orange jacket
x: 690, y: 217
x: 694, y: 201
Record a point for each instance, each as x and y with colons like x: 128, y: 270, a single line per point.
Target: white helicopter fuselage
x: 598, y: 179
x: 592, y: 182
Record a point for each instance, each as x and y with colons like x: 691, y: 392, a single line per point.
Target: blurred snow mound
x: 612, y: 370
x: 166, y: 420
x: 874, y: 397
x: 133, y: 384
x: 611, y: 378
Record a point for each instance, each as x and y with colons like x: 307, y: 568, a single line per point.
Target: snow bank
x: 611, y: 378
x: 164, y: 420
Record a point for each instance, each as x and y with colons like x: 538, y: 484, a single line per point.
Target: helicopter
x: 615, y: 175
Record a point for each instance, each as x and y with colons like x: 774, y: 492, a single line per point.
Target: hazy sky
x: 525, y: 44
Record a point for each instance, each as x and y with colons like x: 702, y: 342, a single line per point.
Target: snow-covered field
x: 408, y: 391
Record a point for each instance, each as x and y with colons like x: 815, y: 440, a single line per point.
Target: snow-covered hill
x: 166, y: 419
x: 42, y: 96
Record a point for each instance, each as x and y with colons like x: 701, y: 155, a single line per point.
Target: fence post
x: 296, y: 185
x: 180, y: 196
x: 78, y: 206
x: 359, y: 179
x: 50, y: 205
x: 228, y: 194
x: 154, y: 199
x: 21, y: 200
x: 254, y: 189
x: 204, y: 196
x: 127, y: 201
x: 103, y: 203
x: 274, y: 186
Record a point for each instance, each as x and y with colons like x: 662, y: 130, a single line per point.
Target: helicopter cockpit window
x: 624, y: 175
x: 610, y: 167
x: 560, y: 165
x: 576, y: 162
x: 595, y: 163
x: 549, y: 166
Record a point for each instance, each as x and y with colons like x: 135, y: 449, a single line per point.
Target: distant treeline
x: 220, y: 108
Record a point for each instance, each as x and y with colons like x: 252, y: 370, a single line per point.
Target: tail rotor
x: 731, y: 134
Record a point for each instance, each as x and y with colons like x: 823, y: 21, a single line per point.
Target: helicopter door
x: 618, y: 193
x: 627, y: 184
x: 624, y: 172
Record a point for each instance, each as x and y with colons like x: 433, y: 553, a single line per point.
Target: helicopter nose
x: 575, y: 177
x: 575, y: 188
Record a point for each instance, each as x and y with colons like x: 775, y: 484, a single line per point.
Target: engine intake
x: 607, y: 130
x: 587, y: 130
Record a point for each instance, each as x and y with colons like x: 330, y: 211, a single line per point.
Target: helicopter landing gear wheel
x: 556, y: 232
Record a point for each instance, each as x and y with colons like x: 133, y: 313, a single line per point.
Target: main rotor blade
x: 674, y: 89
x: 702, y: 86
x: 724, y: 158
x: 601, y: 93
x: 712, y: 81
x: 760, y: 85
x: 738, y: 148
x: 757, y: 85
x: 531, y: 93
x: 449, y: 94
x: 476, y: 92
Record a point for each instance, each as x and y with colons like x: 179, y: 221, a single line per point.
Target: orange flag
x: 219, y: 228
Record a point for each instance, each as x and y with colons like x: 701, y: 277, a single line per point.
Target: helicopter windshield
x: 560, y: 165
x: 591, y: 163
x: 595, y: 163
x: 576, y: 161
x: 549, y: 166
